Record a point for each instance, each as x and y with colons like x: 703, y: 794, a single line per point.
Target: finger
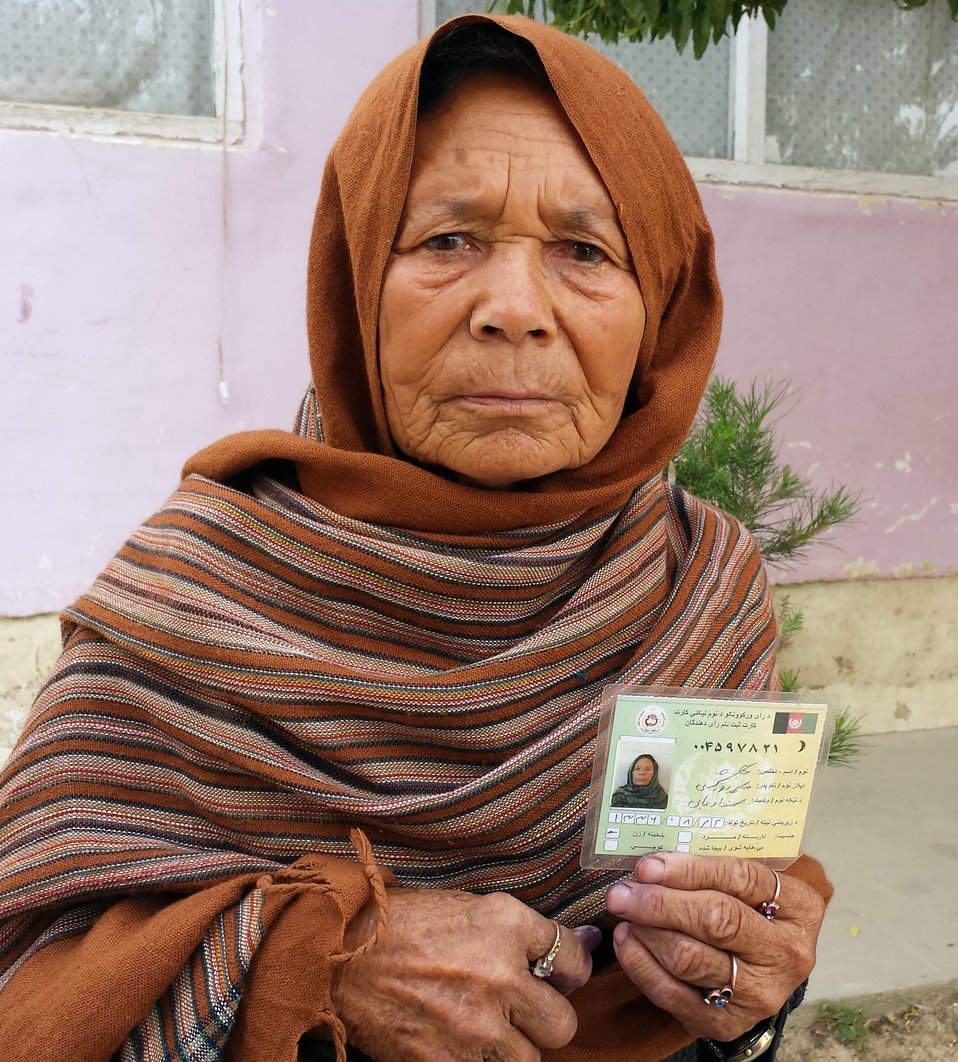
x: 544, y: 941
x: 713, y: 917
x: 546, y: 1018
x: 685, y: 958
x: 675, y: 996
x: 513, y: 1046
x: 590, y: 937
x: 538, y: 1008
x: 751, y: 882
x: 571, y: 962
x: 760, y: 991
x: 786, y: 952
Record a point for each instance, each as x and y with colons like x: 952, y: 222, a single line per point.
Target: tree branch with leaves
x: 702, y: 21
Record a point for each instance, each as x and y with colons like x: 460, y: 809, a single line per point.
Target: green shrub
x: 731, y: 459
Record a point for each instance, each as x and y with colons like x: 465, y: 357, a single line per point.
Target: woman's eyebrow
x: 455, y: 208
x: 588, y: 218
x: 599, y: 218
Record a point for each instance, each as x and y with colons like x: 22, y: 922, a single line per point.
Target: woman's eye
x: 446, y: 241
x: 586, y: 252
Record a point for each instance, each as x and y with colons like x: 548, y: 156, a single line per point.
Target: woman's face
x: 510, y: 318
x: 643, y: 771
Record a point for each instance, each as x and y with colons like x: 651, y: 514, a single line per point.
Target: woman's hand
x: 448, y: 980
x: 685, y: 916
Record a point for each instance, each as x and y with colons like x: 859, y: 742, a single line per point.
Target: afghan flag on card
x: 794, y: 723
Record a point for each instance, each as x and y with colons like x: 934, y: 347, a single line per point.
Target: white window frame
x: 747, y: 166
x: 228, y: 126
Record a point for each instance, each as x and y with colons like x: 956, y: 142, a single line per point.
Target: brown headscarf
x: 358, y: 472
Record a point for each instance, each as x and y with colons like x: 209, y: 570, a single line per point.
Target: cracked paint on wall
x: 913, y: 517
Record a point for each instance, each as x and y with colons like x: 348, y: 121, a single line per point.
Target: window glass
x: 692, y: 97
x: 862, y: 85
x: 135, y: 55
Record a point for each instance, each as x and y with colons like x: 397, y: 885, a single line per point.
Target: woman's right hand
x: 448, y: 980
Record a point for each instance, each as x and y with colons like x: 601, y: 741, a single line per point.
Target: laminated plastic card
x: 710, y: 772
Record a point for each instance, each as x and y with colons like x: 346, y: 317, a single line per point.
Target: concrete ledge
x: 29, y: 648
x: 887, y: 648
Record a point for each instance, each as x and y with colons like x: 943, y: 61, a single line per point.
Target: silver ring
x: 769, y: 908
x: 721, y: 997
x: 543, y: 967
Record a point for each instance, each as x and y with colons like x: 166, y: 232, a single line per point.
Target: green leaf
x: 790, y: 621
x: 680, y: 22
x: 653, y: 8
x: 788, y: 679
x: 953, y: 4
x: 701, y: 33
x: 718, y: 11
x: 846, y: 745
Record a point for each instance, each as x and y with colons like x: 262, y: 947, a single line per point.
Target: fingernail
x: 618, y: 896
x: 590, y: 937
x: 621, y: 932
x: 650, y: 870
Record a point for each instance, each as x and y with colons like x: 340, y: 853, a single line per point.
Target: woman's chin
x: 503, y: 460
x: 506, y: 472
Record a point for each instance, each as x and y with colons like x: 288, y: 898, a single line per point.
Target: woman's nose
x: 513, y: 301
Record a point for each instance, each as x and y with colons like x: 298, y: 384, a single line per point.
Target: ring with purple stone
x: 769, y: 908
x: 721, y: 997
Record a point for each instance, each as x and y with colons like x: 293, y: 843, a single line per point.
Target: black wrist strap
x: 755, y: 1043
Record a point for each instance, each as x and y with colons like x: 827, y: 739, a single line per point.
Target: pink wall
x: 116, y: 288
x: 853, y: 300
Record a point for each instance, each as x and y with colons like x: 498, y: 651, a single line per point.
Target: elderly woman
x: 310, y: 777
x: 642, y: 788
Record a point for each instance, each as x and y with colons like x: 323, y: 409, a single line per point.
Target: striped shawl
x: 253, y: 676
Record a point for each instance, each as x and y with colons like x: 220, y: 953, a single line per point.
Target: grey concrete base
x: 886, y: 648
x: 29, y: 648
x: 887, y: 832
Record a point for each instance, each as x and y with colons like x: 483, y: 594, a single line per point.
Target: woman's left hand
x: 685, y: 916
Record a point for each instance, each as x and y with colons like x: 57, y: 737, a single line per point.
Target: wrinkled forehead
x: 492, y: 112
x: 481, y: 56
x: 497, y: 128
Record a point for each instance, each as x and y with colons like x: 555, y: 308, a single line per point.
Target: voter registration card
x: 709, y: 772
